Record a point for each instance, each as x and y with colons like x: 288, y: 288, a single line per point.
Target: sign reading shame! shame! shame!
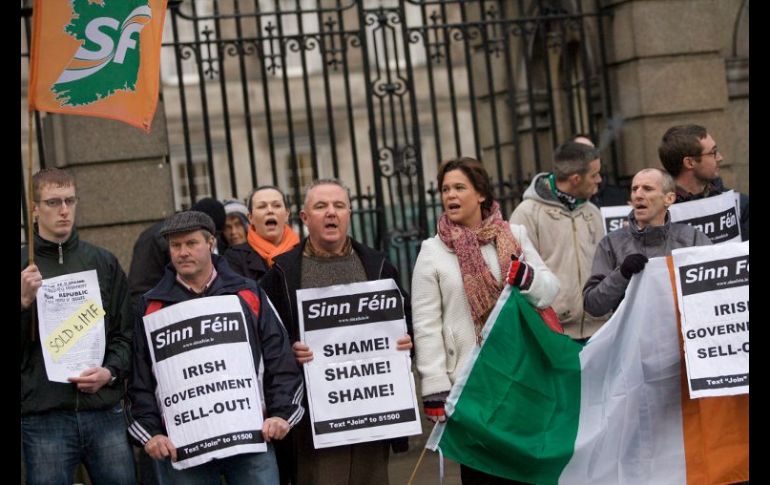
x: 360, y: 387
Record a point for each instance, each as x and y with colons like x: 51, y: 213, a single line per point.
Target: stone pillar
x: 667, y: 67
x: 124, y: 182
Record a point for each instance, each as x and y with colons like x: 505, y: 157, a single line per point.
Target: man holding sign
x: 690, y: 154
x: 75, y: 346
x: 196, y: 378
x: 328, y: 256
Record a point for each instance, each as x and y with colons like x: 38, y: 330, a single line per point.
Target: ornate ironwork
x: 279, y: 92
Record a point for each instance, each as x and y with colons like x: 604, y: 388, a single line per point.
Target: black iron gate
x: 378, y: 93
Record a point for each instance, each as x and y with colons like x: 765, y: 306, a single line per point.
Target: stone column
x: 667, y: 67
x: 124, y: 182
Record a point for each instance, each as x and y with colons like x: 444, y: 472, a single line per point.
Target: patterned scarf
x: 481, y: 288
x: 570, y: 201
x: 268, y: 250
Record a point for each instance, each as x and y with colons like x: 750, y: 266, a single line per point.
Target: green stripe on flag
x: 517, y: 413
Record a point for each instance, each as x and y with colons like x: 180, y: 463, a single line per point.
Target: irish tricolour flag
x: 533, y: 405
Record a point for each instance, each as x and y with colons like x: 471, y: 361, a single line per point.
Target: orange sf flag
x: 97, y: 58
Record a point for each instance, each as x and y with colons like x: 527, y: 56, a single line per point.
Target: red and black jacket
x: 282, y: 381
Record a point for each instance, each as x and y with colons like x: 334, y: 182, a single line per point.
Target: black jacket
x: 148, y: 263
x: 283, y: 280
x: 38, y: 394
x: 245, y: 261
x: 283, y: 385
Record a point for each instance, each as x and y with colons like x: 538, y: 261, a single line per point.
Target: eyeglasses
x: 713, y: 153
x: 56, y: 203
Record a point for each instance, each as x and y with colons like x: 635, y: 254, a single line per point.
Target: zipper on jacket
x: 580, y: 278
x: 288, y: 296
x: 61, y: 254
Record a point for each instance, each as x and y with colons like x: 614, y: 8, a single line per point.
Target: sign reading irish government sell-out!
x: 207, y: 381
x: 713, y: 293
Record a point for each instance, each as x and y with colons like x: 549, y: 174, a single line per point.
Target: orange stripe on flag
x: 715, y: 429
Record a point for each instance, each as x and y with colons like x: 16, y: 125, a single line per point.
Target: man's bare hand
x: 31, y: 280
x: 302, y: 352
x: 160, y: 447
x: 91, y: 380
x: 404, y: 343
x: 274, y: 428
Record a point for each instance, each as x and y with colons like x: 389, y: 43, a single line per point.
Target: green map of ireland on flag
x: 109, y: 57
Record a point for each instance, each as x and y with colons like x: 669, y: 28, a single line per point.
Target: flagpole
x: 414, y: 472
x: 30, y: 238
x: 30, y: 224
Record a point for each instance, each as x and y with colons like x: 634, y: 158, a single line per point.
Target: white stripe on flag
x: 630, y: 428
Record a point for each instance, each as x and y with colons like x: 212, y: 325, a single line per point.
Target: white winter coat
x: 444, y: 334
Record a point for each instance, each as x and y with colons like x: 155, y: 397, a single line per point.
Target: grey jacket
x: 606, y: 287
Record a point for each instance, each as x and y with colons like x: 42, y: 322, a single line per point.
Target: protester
x: 150, y: 253
x: 236, y: 222
x: 690, y: 154
x: 565, y: 227
x: 458, y: 277
x: 64, y: 424
x: 269, y: 234
x: 328, y: 256
x: 649, y: 234
x: 194, y: 273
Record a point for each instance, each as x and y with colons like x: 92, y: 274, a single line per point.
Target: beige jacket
x: 566, y: 241
x: 444, y: 335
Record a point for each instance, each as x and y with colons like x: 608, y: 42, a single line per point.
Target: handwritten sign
x: 71, y: 317
x: 69, y: 333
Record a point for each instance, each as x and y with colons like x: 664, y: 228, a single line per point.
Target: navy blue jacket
x: 282, y: 381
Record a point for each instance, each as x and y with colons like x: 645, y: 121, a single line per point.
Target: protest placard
x: 71, y: 324
x: 360, y: 387
x: 207, y: 380
x: 615, y: 217
x: 713, y: 296
x: 717, y: 217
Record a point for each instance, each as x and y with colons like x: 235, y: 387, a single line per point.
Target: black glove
x: 520, y: 274
x: 633, y: 264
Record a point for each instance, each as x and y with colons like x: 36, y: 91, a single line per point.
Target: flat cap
x: 187, y: 221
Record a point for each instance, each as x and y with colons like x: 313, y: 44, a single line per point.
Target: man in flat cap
x: 194, y: 273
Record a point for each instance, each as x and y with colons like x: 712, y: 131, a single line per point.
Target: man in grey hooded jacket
x: 565, y: 227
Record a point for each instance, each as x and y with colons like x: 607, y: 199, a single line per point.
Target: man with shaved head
x: 649, y: 234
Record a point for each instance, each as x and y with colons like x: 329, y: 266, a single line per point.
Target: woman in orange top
x: 269, y: 234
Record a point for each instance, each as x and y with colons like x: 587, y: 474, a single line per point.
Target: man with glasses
x: 690, y: 155
x: 63, y: 424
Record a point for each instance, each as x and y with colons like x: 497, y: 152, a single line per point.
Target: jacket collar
x: 227, y: 282
x: 649, y: 235
x: 45, y: 247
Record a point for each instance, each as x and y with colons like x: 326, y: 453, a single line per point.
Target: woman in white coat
x: 458, y: 277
